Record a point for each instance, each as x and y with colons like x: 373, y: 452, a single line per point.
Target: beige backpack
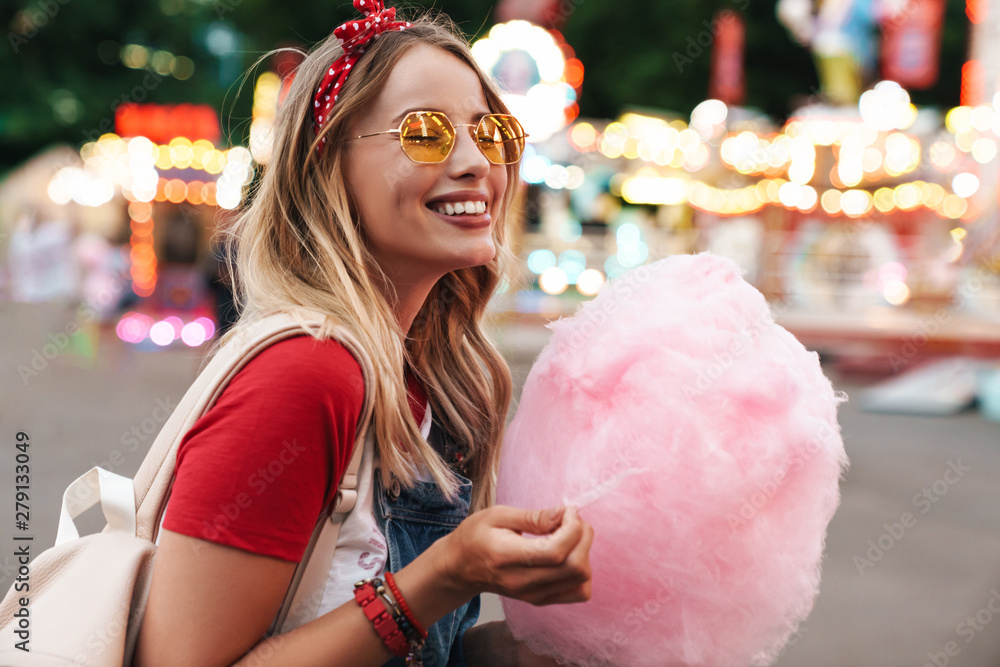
x: 87, y: 594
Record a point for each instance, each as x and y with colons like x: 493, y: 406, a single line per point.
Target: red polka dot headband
x: 353, y: 37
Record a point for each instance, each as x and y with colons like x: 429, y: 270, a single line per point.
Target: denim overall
x: 412, y: 520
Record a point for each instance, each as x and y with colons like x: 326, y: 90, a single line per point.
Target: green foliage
x: 56, y: 87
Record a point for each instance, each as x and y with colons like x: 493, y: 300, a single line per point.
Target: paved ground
x: 903, y: 609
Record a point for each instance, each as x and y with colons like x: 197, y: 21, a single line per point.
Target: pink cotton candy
x: 700, y: 440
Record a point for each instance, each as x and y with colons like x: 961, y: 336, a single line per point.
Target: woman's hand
x: 490, y: 552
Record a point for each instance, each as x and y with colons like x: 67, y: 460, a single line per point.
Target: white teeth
x: 461, y: 208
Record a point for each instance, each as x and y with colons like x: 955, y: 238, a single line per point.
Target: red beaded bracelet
x: 385, y: 625
x: 389, y: 579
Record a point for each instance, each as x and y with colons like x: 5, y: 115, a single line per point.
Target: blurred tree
x: 61, y: 70
x: 62, y: 75
x: 661, y: 57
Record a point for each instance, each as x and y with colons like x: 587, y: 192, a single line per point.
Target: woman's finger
x: 535, y: 522
x: 572, y: 578
x: 554, y: 548
x: 549, y: 550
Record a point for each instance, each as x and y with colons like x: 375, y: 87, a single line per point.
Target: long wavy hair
x: 299, y: 244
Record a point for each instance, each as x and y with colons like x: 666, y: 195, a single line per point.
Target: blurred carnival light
x: 965, y: 184
x: 589, y: 282
x: 887, y: 107
x: 553, y: 281
x: 531, y: 65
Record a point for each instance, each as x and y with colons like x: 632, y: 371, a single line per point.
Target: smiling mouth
x: 459, y: 208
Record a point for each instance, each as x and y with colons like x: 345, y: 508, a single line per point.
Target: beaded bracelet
x: 389, y: 579
x: 397, y: 614
x: 392, y: 624
x: 376, y: 612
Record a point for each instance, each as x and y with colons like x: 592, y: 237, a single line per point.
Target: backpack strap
x: 305, y: 595
x: 154, y: 479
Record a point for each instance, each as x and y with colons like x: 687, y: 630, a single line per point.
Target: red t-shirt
x: 256, y: 469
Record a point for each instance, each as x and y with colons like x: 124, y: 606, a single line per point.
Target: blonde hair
x: 299, y: 244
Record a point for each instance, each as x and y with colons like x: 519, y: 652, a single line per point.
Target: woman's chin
x: 476, y: 256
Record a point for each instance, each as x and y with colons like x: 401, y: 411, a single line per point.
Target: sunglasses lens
x: 427, y: 136
x: 500, y: 138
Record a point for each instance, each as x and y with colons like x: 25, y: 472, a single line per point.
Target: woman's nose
x: 466, y: 158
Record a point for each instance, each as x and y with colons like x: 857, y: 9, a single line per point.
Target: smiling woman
x: 400, y: 206
x: 381, y: 214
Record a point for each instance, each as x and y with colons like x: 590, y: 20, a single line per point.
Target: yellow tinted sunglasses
x: 427, y: 137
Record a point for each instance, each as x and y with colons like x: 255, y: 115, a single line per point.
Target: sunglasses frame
x: 454, y: 127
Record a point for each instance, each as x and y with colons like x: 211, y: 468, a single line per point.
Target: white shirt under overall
x: 362, y: 552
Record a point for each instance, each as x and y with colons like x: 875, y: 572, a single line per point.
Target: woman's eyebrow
x: 475, y: 117
x: 399, y: 118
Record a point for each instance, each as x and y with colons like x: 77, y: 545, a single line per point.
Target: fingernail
x: 553, y: 515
